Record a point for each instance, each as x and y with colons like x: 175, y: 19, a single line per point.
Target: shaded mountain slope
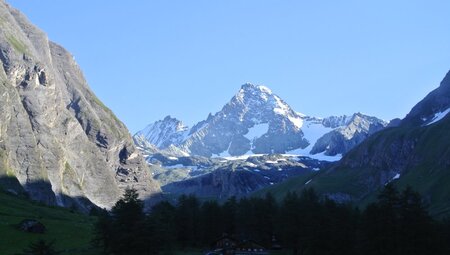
x: 416, y: 153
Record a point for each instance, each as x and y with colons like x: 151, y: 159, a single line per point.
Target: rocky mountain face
x: 58, y: 142
x: 254, y: 120
x: 257, y: 121
x: 345, y: 137
x: 414, y: 152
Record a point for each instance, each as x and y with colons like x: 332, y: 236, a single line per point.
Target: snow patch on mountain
x: 438, y: 116
x: 225, y: 153
x: 280, y: 107
x: 319, y: 156
x: 265, y: 89
x: 297, y: 121
x: 313, y: 129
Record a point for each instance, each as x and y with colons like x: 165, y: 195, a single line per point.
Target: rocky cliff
x: 58, y: 142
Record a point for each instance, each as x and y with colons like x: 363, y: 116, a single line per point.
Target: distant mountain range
x: 257, y: 121
x: 257, y: 140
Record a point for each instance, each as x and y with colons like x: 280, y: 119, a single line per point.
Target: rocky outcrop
x: 56, y: 138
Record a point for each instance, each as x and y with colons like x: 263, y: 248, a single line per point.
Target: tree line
x: 303, y: 224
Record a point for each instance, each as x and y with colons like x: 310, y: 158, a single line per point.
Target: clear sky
x: 149, y: 59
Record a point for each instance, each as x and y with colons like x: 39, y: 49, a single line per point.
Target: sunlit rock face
x: 58, y: 142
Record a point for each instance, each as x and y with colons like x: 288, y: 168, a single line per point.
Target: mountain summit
x: 164, y: 133
x: 432, y: 108
x: 257, y: 121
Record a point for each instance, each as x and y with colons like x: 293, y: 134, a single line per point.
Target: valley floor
x: 72, y: 232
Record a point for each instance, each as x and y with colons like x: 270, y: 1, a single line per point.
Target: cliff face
x: 57, y: 140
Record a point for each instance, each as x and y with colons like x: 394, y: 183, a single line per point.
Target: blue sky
x: 149, y: 59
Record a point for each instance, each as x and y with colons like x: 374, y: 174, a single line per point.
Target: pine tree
x: 187, y: 220
x: 290, y: 222
x: 160, y: 224
x: 229, y: 210
x: 416, y: 230
x: 211, y: 225
x: 126, y: 233
x: 103, y: 231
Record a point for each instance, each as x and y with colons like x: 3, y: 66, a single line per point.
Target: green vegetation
x: 303, y: 224
x: 72, y: 232
x: 294, y: 184
x: 18, y: 45
x: 396, y: 223
x: 113, y: 126
x: 2, y: 21
x: 70, y: 175
x: 424, y: 151
x: 4, y: 168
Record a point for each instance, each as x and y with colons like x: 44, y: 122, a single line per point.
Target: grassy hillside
x: 294, y: 184
x: 71, y: 232
x: 420, y: 154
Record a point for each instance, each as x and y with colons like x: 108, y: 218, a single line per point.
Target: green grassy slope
x: 422, y: 154
x: 71, y: 232
x: 294, y: 184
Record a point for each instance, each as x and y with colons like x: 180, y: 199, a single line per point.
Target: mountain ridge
x: 257, y: 121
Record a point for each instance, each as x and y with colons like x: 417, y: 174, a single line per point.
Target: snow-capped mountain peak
x: 253, y: 87
x: 253, y: 100
x: 257, y: 121
x: 251, y: 92
x: 164, y: 132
